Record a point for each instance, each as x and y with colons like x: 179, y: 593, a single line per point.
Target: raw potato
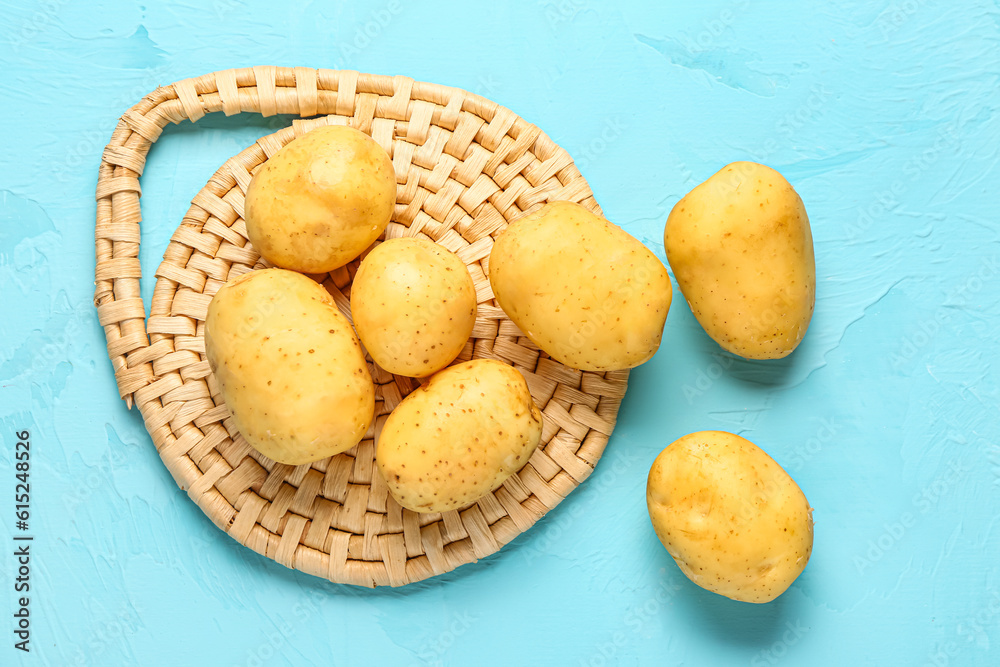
x: 414, y: 306
x: 730, y: 516
x: 289, y: 366
x: 458, y: 437
x: 741, y: 250
x: 580, y: 288
x: 321, y: 200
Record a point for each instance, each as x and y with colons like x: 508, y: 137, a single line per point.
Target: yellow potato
x: 741, y: 250
x: 458, y: 437
x: 289, y: 366
x: 731, y: 517
x: 414, y: 306
x: 321, y: 200
x: 582, y: 289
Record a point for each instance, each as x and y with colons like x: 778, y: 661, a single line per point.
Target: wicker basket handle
x: 266, y: 90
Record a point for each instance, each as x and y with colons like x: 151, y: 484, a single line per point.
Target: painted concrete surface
x: 884, y: 116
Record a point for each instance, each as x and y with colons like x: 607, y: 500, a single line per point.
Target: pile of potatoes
x: 292, y: 371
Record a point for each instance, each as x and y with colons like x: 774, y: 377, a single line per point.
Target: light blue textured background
x: 884, y: 116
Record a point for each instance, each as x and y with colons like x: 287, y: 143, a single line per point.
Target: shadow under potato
x: 742, y: 624
x: 739, y: 623
x: 687, y: 337
x: 764, y: 372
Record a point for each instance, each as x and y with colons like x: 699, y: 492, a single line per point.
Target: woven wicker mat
x: 465, y: 166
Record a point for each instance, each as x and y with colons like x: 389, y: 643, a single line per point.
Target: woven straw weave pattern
x: 465, y: 167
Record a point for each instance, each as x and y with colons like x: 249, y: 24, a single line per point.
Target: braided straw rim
x: 465, y: 166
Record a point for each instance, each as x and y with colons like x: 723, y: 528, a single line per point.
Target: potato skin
x: 458, y: 437
x: 289, y: 366
x: 741, y: 249
x: 321, y: 200
x: 414, y: 306
x: 583, y: 290
x: 732, y: 518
